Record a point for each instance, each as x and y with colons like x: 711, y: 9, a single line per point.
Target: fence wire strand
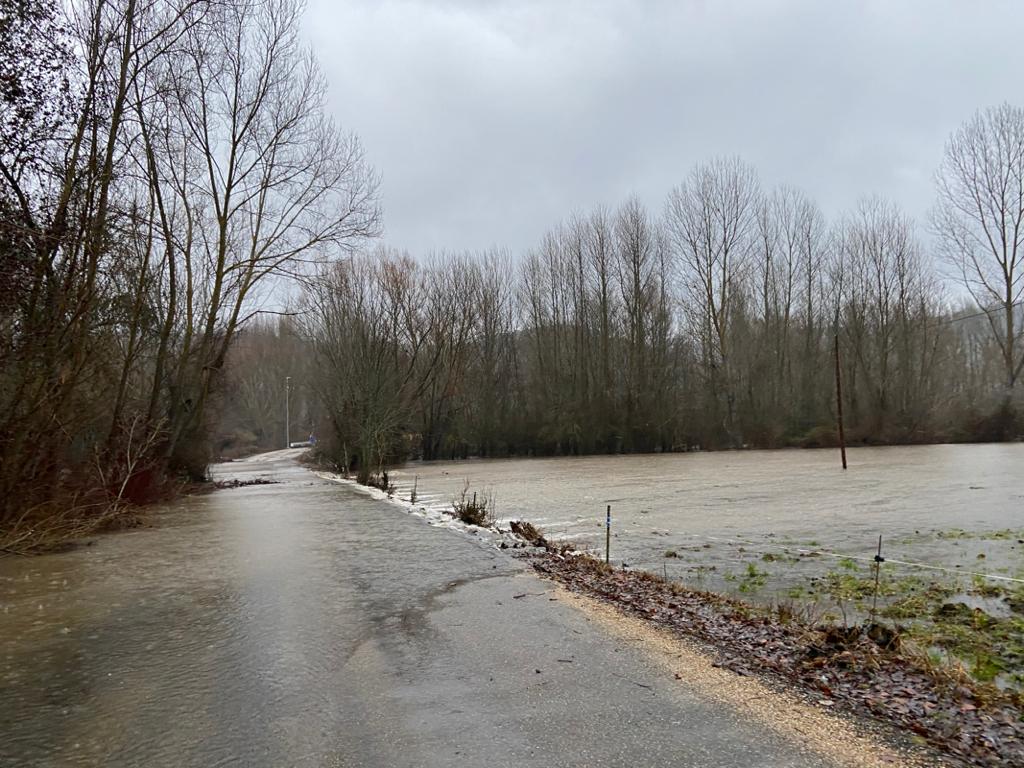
x: 754, y: 548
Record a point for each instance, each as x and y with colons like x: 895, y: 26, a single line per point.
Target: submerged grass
x: 975, y: 630
x: 970, y: 625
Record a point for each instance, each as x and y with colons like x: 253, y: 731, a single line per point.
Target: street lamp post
x: 287, y: 412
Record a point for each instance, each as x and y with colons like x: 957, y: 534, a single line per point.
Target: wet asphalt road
x: 302, y: 624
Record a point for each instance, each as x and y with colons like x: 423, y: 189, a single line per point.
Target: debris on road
x: 236, y: 483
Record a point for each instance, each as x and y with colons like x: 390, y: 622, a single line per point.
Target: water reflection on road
x: 219, y: 635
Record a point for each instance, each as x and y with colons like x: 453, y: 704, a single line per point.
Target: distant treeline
x: 712, y: 322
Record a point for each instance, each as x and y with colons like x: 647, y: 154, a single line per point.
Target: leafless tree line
x: 711, y: 322
x: 266, y: 380
x: 164, y: 162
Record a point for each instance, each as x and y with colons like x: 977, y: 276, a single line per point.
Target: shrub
x: 381, y: 481
x: 475, y: 510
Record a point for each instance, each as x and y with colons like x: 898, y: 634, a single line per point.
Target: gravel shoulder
x: 867, y: 674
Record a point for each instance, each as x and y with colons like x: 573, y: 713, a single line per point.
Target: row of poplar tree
x: 713, y: 321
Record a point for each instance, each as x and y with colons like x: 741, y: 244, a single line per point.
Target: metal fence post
x: 608, y: 535
x: 878, y: 572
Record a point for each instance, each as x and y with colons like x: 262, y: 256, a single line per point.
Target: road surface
x: 302, y: 624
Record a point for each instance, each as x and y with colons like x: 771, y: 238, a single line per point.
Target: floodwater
x: 957, y: 507
x: 302, y: 624
x: 241, y: 627
x: 282, y: 624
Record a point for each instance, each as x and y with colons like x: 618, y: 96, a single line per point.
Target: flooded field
x: 773, y: 526
x: 909, y: 495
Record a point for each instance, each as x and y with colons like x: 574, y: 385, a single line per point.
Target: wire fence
x: 764, y: 548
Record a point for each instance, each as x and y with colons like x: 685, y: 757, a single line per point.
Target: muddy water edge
x: 791, y: 526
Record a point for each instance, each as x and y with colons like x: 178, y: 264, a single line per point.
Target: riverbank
x: 77, y: 520
x: 868, y: 671
x: 74, y: 521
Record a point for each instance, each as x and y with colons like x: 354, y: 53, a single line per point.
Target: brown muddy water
x: 220, y: 582
x: 764, y: 523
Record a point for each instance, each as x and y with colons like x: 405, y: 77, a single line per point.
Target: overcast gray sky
x: 491, y: 121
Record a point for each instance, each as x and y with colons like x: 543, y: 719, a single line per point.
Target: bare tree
x: 164, y: 162
x: 787, y: 273
x: 600, y: 257
x: 980, y: 221
x: 362, y: 319
x: 492, y: 367
x: 637, y: 261
x: 888, y: 303
x: 85, y: 244
x: 595, y: 345
x: 275, y: 183
x: 711, y: 218
x: 447, y: 321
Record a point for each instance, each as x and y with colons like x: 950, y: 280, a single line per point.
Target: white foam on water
x: 437, y: 515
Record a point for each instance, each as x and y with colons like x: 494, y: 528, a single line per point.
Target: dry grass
x: 56, y: 525
x: 477, y: 509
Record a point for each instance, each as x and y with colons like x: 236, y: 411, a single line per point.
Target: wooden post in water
x: 839, y: 402
x: 608, y: 535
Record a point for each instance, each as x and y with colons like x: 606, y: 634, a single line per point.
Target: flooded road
x: 303, y: 624
x: 959, y: 507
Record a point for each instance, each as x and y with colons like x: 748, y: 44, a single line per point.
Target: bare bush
x: 475, y: 509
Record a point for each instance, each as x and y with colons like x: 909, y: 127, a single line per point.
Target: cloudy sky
x: 490, y: 121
